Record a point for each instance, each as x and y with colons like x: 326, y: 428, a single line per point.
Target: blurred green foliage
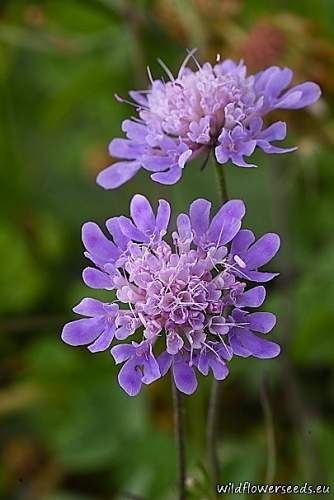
x: 68, y: 432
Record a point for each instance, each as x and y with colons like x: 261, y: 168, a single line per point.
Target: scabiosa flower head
x: 181, y: 301
x: 216, y: 108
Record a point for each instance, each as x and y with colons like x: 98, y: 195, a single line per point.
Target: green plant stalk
x: 178, y: 405
x: 211, y: 436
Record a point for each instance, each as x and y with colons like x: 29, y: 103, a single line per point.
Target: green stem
x: 222, y: 186
x: 271, y: 443
x: 180, y: 441
x: 214, y: 392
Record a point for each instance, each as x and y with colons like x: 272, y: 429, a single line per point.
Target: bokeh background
x: 68, y: 432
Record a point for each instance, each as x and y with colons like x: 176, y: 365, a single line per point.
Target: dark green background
x: 68, y: 432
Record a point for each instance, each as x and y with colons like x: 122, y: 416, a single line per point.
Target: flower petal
x: 151, y: 370
x: 253, y: 297
x: 262, y: 322
x: 122, y: 352
x: 171, y: 176
x: 82, y: 331
x: 131, y: 231
x: 262, y: 251
x: 104, y: 340
x: 97, y: 243
x: 97, y: 279
x: 227, y: 222
x: 242, y: 242
x: 299, y: 96
x: 256, y: 346
x: 200, y: 217
x: 218, y: 367
x: 162, y: 219
x: 184, y: 377
x: 90, y: 307
x: 164, y: 361
x: 117, y: 174
x: 142, y: 214
x: 123, y: 148
x: 129, y: 378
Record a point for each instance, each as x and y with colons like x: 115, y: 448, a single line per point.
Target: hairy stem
x: 211, y: 435
x: 270, y: 431
x: 180, y: 441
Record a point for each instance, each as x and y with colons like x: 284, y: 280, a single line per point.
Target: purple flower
x: 216, y: 108
x: 180, y: 305
x: 242, y: 339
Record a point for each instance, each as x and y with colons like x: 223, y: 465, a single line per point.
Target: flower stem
x: 214, y: 392
x: 180, y: 441
x: 271, y: 443
x: 222, y: 186
x: 211, y: 436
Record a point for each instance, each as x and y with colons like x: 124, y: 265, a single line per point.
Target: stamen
x: 239, y: 261
x: 150, y: 75
x: 126, y: 101
x: 166, y: 69
x: 186, y: 60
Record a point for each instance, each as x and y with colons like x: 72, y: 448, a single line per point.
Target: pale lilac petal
x: 164, y: 361
x: 184, y: 377
x: 252, y: 298
x: 142, y: 214
x: 114, y: 228
x: 163, y: 216
x: 184, y: 227
x: 174, y: 343
x: 279, y: 80
x: 200, y: 217
x: 134, y: 131
x: 227, y: 222
x: 221, y: 154
x: 155, y: 163
x: 139, y: 98
x: 299, y: 96
x: 262, y: 251
x: 268, y: 148
x: 262, y: 322
x: 123, y: 148
x: 203, y: 362
x: 256, y: 346
x: 258, y: 276
x: 97, y: 279
x: 131, y: 231
x: 242, y: 242
x: 217, y: 325
x: 117, y: 174
x: 122, y: 333
x: 104, y: 340
x: 97, y: 243
x: 238, y: 348
x: 275, y: 132
x: 238, y: 160
x: 122, y: 352
x: 218, y: 367
x: 170, y: 177
x: 90, y: 307
x: 129, y: 378
x: 224, y: 351
x: 82, y: 331
x: 151, y: 370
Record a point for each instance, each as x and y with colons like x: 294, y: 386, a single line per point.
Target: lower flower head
x: 179, y: 299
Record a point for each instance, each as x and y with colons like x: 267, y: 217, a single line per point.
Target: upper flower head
x: 215, y: 107
x: 181, y: 303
